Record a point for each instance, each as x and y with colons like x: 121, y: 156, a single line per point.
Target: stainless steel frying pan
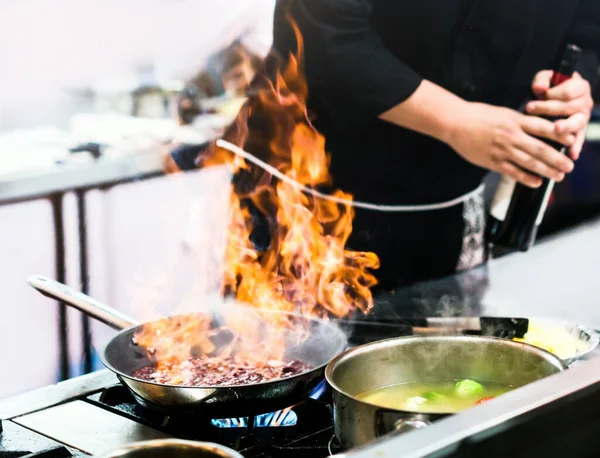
x: 123, y: 357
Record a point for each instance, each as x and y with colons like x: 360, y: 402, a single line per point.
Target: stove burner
x: 285, y: 417
x: 302, y: 430
x: 281, y: 418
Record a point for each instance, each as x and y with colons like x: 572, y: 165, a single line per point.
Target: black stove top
x: 302, y: 430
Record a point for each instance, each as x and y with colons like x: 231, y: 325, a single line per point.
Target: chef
x: 418, y: 101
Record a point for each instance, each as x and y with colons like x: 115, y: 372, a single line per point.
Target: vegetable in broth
x: 443, y: 397
x: 468, y: 388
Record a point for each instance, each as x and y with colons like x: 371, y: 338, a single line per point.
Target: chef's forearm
x: 430, y: 110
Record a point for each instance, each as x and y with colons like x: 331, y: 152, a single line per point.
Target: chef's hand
x: 571, y: 99
x: 503, y: 140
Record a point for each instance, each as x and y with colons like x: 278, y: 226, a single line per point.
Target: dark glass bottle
x: 517, y: 210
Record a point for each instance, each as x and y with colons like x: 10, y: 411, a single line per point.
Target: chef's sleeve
x: 585, y: 32
x: 353, y: 73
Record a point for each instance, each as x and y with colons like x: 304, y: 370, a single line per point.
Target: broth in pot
x: 443, y: 397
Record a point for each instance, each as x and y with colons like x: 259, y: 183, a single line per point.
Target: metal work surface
x: 55, y: 394
x: 87, y: 428
x: 21, y: 440
x: 68, y: 177
x: 558, y: 278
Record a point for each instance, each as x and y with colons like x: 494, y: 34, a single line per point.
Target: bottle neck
x: 559, y: 78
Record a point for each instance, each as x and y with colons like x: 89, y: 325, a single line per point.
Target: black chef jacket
x: 363, y: 57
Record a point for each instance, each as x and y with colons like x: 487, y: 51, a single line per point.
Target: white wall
x: 28, y: 331
x: 49, y: 49
x: 140, y: 262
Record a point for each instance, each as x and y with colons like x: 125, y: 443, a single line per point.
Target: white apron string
x: 366, y: 205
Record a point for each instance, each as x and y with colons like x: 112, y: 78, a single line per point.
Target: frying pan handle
x: 81, y: 302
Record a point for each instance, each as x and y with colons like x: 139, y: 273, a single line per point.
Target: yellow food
x: 553, y: 338
x: 443, y: 397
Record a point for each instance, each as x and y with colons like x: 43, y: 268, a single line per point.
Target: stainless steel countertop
x: 560, y: 277
x: 66, y: 177
x: 47, y: 396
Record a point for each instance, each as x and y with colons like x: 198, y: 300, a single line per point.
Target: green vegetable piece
x: 433, y: 396
x: 468, y: 388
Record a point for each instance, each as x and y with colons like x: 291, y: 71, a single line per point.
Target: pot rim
x: 354, y: 352
x: 157, y: 443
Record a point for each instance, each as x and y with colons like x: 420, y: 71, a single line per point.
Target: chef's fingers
x: 532, y: 181
x: 572, y: 89
x: 538, y: 150
x: 539, y: 127
x: 574, y: 124
x: 541, y: 83
x: 575, y: 150
x: 556, y: 107
x: 533, y: 164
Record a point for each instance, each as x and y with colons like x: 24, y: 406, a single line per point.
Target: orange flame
x: 306, y: 267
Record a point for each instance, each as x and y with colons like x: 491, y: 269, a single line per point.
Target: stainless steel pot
x: 423, y: 359
x: 173, y: 448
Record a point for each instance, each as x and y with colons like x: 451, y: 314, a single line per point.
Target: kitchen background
x: 103, y: 77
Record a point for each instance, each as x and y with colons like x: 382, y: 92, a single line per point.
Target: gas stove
x: 94, y: 414
x: 96, y: 422
x: 298, y: 431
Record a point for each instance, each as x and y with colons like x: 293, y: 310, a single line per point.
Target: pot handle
x: 81, y: 302
x: 392, y: 423
x: 407, y: 425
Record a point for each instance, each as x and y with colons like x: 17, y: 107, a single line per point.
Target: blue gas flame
x: 286, y: 417
x: 281, y: 418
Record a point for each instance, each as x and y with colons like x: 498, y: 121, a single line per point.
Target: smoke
x: 183, y: 267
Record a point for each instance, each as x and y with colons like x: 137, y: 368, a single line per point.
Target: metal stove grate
x: 302, y: 430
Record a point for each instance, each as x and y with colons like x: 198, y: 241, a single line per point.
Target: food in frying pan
x: 220, y: 372
x: 443, y: 397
